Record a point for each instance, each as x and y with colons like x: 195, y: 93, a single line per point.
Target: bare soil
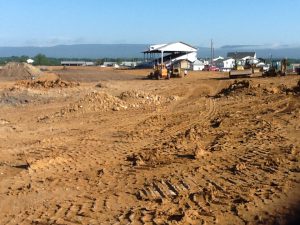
x: 120, y: 149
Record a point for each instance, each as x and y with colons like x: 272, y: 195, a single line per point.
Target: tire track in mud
x: 226, y: 185
x: 201, y: 118
x: 172, y: 188
x: 209, y: 191
x: 68, y: 212
x: 177, y: 117
x: 173, y: 126
x: 69, y: 167
x: 193, y: 193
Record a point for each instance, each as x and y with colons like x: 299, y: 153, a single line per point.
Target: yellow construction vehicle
x: 240, y: 70
x: 159, y: 71
x: 277, y: 68
x: 179, y: 68
x: 177, y: 71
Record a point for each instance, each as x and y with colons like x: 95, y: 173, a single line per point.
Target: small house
x: 228, y: 64
x: 198, y: 65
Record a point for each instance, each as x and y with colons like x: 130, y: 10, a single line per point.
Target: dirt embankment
x: 29, y: 76
x: 99, y: 101
x: 132, y: 152
x: 46, y: 83
x: 19, y: 71
x: 30, y: 84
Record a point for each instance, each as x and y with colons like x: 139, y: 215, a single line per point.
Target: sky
x: 268, y: 23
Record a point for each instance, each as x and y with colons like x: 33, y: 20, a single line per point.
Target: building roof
x: 171, y: 48
x: 240, y: 55
x: 228, y: 59
x: 198, y: 62
x: 218, y: 58
x: 83, y: 63
x: 72, y: 62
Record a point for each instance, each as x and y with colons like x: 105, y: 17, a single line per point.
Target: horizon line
x: 240, y: 46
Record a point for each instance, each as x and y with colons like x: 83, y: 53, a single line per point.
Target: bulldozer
x: 177, y: 71
x: 179, y: 68
x: 159, y: 72
x: 276, y: 68
x: 240, y: 70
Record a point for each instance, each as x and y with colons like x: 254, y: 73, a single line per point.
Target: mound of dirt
x: 19, y: 71
x: 236, y: 86
x: 50, y: 81
x: 145, y: 98
x: 244, y: 87
x: 296, y: 89
x: 94, y: 102
x: 135, y: 94
x: 101, y: 101
x: 289, y: 90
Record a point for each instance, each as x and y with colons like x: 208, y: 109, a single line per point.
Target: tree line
x: 43, y: 60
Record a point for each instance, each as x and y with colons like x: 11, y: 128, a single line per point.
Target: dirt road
x: 197, y: 150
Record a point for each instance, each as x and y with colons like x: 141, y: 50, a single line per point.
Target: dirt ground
x: 121, y: 149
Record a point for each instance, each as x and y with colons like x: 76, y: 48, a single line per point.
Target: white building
x: 172, y: 52
x: 110, y: 64
x: 228, y: 64
x: 295, y: 67
x: 129, y: 63
x: 89, y: 63
x: 76, y: 63
x: 30, y: 61
x: 198, y: 65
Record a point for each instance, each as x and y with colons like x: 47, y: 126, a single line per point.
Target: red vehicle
x: 214, y: 68
x: 210, y: 68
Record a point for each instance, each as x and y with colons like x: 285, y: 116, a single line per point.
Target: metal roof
x: 72, y: 62
x: 171, y: 48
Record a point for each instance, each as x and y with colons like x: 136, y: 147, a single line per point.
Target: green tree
x: 119, y: 61
x: 23, y: 58
x: 41, y: 59
x: 99, y: 62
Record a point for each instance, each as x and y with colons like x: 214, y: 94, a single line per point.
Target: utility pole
x: 211, y: 51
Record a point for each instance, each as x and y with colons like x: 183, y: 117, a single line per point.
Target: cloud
x: 263, y: 46
x: 240, y: 46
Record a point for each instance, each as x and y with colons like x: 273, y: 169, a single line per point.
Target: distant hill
x: 78, y: 51
x: 134, y: 51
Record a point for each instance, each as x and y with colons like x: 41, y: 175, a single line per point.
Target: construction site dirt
x: 105, y: 146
